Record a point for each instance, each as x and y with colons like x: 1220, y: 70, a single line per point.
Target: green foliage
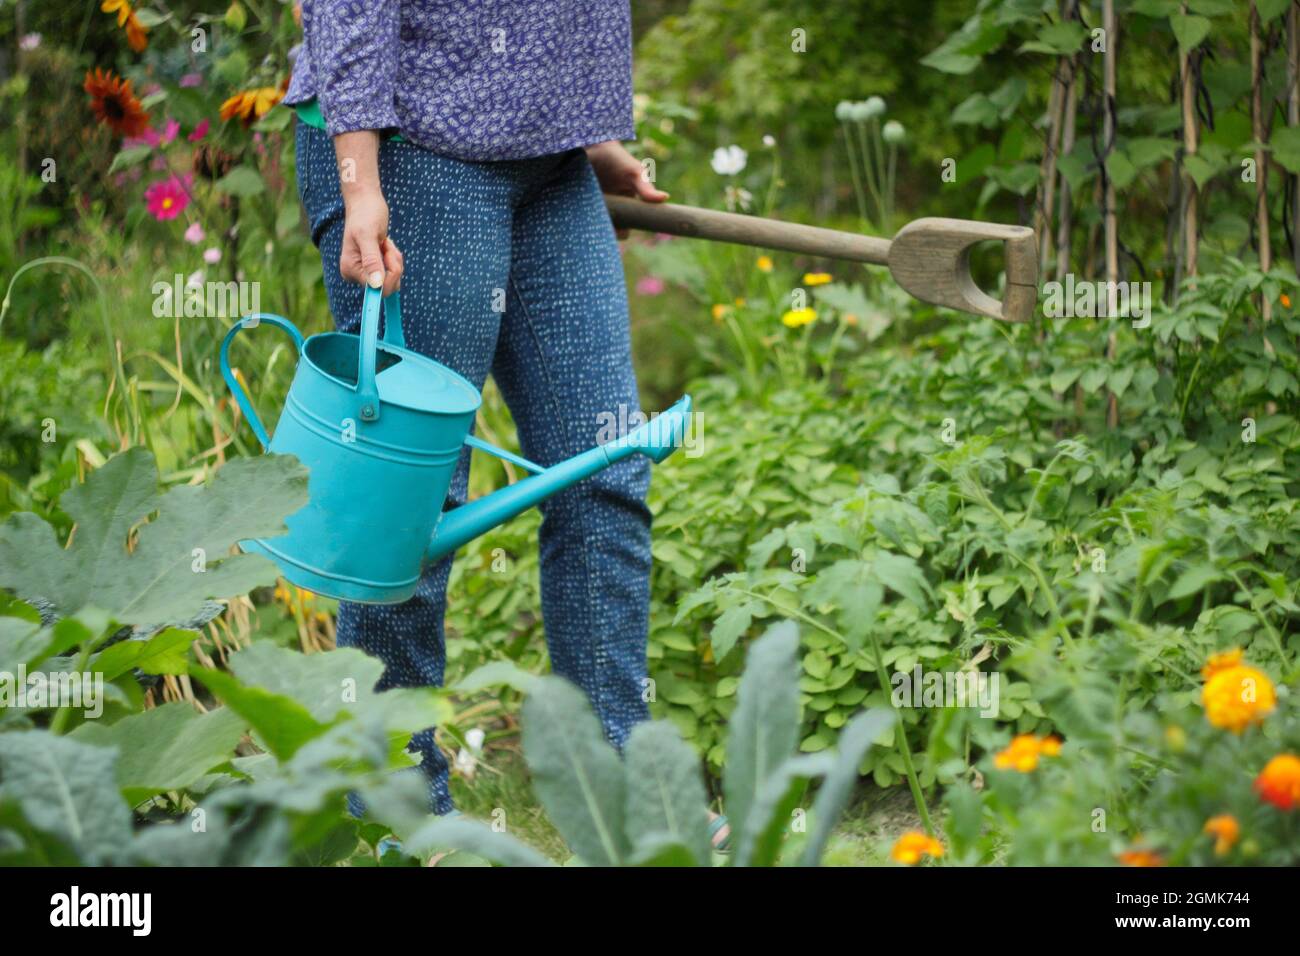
x: 179, y: 558
x: 648, y: 810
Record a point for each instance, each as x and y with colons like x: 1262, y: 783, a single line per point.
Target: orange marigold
x: 250, y: 105
x: 1237, y: 696
x: 1024, y: 751
x: 1221, y: 662
x: 115, y: 104
x: 1226, y: 831
x: 1141, y: 858
x: 1279, y: 782
x: 911, y: 846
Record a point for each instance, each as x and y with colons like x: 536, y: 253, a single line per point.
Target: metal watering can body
x: 380, y: 429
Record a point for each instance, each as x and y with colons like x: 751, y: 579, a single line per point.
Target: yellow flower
x: 1225, y: 830
x: 816, y: 278
x: 911, y: 846
x: 121, y: 7
x: 764, y: 264
x: 1237, y: 696
x: 1279, y: 782
x: 797, y: 317
x: 1024, y: 751
x: 740, y: 303
x: 1221, y: 662
x: 1141, y: 858
x: 719, y: 311
x: 850, y: 318
x: 251, y: 105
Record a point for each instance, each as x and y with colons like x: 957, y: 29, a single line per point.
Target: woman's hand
x: 369, y: 256
x: 621, y: 173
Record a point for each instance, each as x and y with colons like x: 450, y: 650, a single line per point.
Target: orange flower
x: 115, y: 104
x: 1141, y: 858
x: 1225, y: 830
x: 1236, y: 696
x: 1221, y: 662
x: 136, y: 32
x: 1279, y: 782
x: 250, y: 105
x: 1024, y: 750
x: 911, y: 846
x: 1286, y: 300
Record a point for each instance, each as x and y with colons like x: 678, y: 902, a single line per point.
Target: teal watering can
x: 381, y: 428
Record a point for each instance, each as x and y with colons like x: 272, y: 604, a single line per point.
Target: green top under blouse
x: 309, y: 113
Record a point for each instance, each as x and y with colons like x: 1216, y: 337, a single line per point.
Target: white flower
x: 465, y: 763
x: 29, y: 41
x: 893, y: 132
x: 474, y: 739
x: 729, y: 160
x: 873, y: 106
x: 843, y: 110
x: 769, y: 140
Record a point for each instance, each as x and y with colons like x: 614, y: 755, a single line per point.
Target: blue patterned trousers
x: 512, y: 268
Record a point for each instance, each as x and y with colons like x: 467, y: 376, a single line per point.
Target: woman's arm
x: 368, y: 256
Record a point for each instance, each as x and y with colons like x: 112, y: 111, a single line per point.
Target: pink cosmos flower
x: 212, y: 255
x: 166, y: 199
x: 170, y: 131
x: 649, y: 285
x: 194, y: 234
x: 29, y: 41
x: 191, y: 79
x: 200, y: 131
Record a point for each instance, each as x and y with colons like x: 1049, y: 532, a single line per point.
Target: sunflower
x: 251, y: 105
x: 115, y: 104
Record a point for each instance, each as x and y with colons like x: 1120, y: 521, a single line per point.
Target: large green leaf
x: 759, y: 843
x: 665, y: 793
x: 576, y: 773
x: 66, y: 788
x: 167, y: 747
x: 343, y: 680
x: 471, y: 836
x: 164, y: 653
x: 282, y: 724
x: 855, y: 740
x: 765, y: 724
x: 160, y: 580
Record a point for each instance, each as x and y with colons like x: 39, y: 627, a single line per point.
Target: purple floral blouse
x: 471, y: 79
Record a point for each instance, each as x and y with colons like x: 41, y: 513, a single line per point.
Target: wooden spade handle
x: 930, y: 258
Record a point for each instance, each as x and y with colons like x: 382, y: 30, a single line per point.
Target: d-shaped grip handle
x: 241, y: 398
x: 367, y: 390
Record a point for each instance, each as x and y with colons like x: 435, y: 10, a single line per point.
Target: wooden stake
x: 1111, y: 224
x: 1190, y: 217
x: 1260, y: 129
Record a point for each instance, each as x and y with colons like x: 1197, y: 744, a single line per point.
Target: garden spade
x: 930, y: 258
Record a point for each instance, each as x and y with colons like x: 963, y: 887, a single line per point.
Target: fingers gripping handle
x: 241, y: 398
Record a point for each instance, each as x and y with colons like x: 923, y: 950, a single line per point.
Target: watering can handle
x: 241, y: 398
x: 367, y: 390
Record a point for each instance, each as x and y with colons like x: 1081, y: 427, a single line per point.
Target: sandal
x: 721, y: 844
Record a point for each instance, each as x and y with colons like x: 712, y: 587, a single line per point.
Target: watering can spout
x: 656, y: 439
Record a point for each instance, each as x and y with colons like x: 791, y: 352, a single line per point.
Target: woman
x: 464, y: 149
